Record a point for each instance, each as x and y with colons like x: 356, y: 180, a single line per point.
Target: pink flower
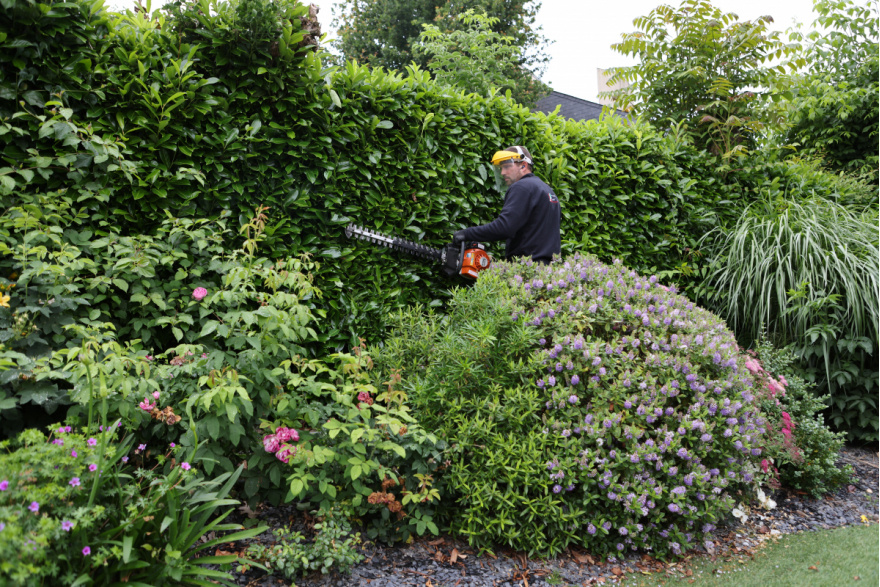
x: 87, y: 551
x: 271, y: 443
x: 4, y: 485
x: 774, y: 387
x: 92, y: 442
x: 753, y: 366
x: 284, y: 434
x: 172, y: 445
x: 66, y: 525
x: 149, y: 357
x: 204, y: 355
x: 146, y: 405
x: 765, y: 465
x: 74, y: 482
x: 783, y: 381
x: 34, y: 507
x: 73, y: 453
x: 185, y: 466
x: 93, y: 467
x: 199, y: 293
x: 156, y: 395
x: 286, y: 453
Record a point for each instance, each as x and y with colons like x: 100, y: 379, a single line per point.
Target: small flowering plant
x: 53, y: 531
x: 800, y: 452
x: 609, y: 411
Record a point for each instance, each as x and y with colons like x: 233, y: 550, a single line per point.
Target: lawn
x: 843, y: 556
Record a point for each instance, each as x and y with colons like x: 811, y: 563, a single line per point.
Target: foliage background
x: 216, y: 108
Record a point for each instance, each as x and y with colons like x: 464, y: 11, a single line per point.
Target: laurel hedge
x: 210, y: 110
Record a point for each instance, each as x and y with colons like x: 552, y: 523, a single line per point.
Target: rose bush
x: 584, y: 405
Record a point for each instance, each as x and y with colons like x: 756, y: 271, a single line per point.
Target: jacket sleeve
x: 513, y: 215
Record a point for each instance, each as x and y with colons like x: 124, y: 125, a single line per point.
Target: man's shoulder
x: 532, y: 183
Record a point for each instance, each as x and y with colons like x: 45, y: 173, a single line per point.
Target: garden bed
x: 444, y: 560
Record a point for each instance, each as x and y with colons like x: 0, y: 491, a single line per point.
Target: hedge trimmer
x: 466, y: 259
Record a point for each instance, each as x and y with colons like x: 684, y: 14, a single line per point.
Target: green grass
x: 837, y: 557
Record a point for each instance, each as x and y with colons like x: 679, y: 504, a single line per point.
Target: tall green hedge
x: 214, y: 107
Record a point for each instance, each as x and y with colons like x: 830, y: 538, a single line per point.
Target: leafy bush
x: 71, y: 516
x: 584, y: 405
x: 333, y: 547
x: 833, y: 112
x: 807, y: 272
x: 801, y: 449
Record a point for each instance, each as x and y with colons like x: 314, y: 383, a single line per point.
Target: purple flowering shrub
x: 585, y: 405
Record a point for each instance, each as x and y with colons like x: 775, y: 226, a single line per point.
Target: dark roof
x: 571, y: 107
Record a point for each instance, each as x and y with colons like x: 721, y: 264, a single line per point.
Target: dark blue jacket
x: 529, y: 221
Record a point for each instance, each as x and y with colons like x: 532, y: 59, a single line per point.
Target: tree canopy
x: 383, y: 33
x: 477, y: 59
x: 833, y: 112
x: 701, y: 67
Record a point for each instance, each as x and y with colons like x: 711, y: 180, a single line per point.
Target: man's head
x: 512, y: 163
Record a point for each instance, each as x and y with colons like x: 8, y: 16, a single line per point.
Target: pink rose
x: 199, y: 293
x: 155, y: 395
x: 271, y: 443
x: 286, y: 453
x: 146, y: 405
x: 286, y: 434
x: 783, y: 381
x: 765, y: 465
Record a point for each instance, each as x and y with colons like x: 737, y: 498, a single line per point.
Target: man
x: 529, y: 220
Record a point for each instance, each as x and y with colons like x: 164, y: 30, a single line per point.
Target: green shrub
x: 806, y: 270
x: 802, y: 450
x: 72, y: 517
x: 583, y: 405
x: 333, y: 547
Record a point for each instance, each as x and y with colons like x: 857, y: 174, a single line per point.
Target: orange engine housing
x: 474, y: 261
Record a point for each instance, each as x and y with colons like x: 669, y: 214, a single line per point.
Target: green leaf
x: 127, y: 542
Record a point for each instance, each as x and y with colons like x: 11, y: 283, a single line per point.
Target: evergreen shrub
x: 584, y: 405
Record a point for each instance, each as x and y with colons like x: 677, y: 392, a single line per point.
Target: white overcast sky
x: 584, y: 30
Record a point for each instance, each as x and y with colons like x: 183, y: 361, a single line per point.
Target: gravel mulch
x: 445, y: 561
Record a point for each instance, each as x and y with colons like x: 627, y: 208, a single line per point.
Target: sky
x: 584, y: 30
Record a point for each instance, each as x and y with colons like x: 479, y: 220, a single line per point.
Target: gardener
x: 529, y: 220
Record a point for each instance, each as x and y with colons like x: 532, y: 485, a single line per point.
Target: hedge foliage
x: 213, y: 107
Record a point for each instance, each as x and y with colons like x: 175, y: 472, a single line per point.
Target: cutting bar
x: 396, y: 244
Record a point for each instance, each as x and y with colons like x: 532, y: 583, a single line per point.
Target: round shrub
x: 584, y: 405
